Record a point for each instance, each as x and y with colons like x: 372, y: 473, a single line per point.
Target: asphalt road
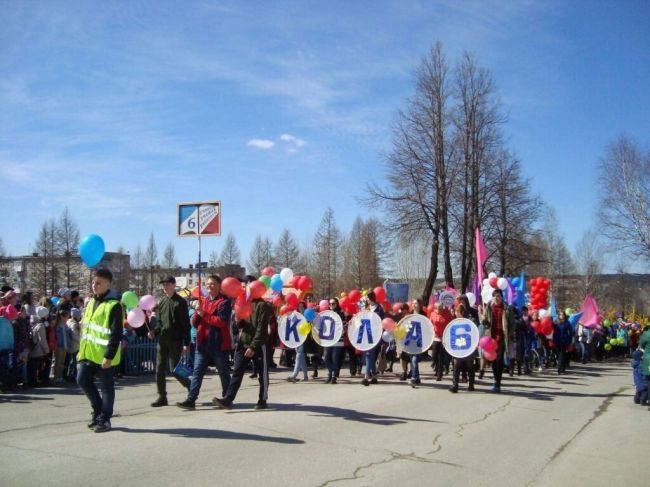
x: 577, y: 429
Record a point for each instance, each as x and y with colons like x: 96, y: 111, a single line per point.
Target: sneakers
x: 102, y: 426
x: 365, y: 382
x: 470, y: 388
x: 292, y: 379
x: 329, y: 379
x: 453, y: 389
x: 221, y: 403
x: 253, y: 376
x: 161, y: 401
x: 373, y: 380
x: 415, y: 381
x: 186, y: 404
x: 481, y: 373
x: 333, y: 380
x: 261, y: 405
x: 496, y: 389
x: 403, y: 376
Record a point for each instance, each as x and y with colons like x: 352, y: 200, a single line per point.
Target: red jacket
x: 214, y: 323
x: 440, y: 320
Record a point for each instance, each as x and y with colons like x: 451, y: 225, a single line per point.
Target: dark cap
x: 171, y: 279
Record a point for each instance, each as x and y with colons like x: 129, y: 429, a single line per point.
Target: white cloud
x: 295, y: 141
x: 264, y: 144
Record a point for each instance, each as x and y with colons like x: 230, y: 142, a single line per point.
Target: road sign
x: 460, y: 338
x: 199, y: 219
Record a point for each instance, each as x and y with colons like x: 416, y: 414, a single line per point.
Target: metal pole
x: 198, y: 234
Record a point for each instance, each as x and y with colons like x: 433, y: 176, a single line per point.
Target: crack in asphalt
x: 66, y: 455
x: 412, y: 457
x: 461, y: 426
x: 602, y: 408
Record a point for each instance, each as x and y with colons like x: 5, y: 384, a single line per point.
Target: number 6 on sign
x: 460, y: 338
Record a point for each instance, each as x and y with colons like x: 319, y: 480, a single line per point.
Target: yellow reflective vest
x: 97, y: 332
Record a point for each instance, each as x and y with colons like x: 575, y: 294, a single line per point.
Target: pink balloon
x: 324, y: 305
x: 490, y: 356
x: 10, y: 312
x: 488, y: 344
x: 388, y: 324
x: 268, y: 271
x: 135, y: 318
x: 147, y: 302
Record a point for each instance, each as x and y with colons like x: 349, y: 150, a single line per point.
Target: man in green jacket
x: 173, y: 332
x: 499, y: 321
x: 252, y: 346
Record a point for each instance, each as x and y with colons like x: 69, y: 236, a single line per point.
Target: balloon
x: 537, y: 326
x: 276, y: 283
x: 502, y: 283
x: 543, y: 313
x: 607, y: 323
x: 613, y: 342
x: 490, y: 356
x: 42, y: 312
x: 380, y: 294
x: 471, y: 297
x: 135, y: 318
x: 286, y: 275
x: 291, y: 299
x: 547, y: 325
x: 486, y: 295
x: 488, y: 344
x: 305, y: 283
x: 130, y: 299
x: 10, y: 312
x: 343, y: 302
x: 266, y: 280
x: 515, y: 281
x: 294, y: 281
x: 243, y: 311
x: 568, y: 311
x: 399, y: 333
x: 257, y: 289
x: 54, y: 300
x: 486, y: 282
x: 388, y: 324
x: 286, y: 309
x: 397, y: 307
x: 310, y: 314
x: 324, y: 305
x: 277, y: 301
x: 268, y: 271
x: 231, y: 287
x: 147, y: 302
x: 387, y: 336
x: 494, y: 283
x: 355, y: 295
x: 607, y: 347
x: 91, y: 249
x: 197, y: 292
x: 304, y: 328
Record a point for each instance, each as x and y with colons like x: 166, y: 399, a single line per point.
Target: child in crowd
x: 63, y: 341
x: 640, y: 384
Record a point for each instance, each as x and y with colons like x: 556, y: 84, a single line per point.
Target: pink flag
x: 589, y: 311
x: 481, y: 256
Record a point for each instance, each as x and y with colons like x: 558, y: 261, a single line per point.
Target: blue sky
x: 121, y: 110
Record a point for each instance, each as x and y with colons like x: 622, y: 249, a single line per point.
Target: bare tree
x: 45, y: 275
x: 259, y: 257
x: 2, y: 249
x: 588, y: 258
x: 625, y: 197
x: 67, y: 241
x: 327, y: 250
x: 137, y: 275
x: 149, y: 263
x: 169, y: 260
x: 230, y: 254
x: 286, y: 252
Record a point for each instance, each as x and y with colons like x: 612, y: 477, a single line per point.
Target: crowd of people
x: 68, y: 339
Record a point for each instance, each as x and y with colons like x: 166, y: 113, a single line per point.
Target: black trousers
x: 241, y: 363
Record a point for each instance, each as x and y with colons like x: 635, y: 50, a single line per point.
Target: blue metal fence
x: 140, y: 355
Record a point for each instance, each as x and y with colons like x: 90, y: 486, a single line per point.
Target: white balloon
x: 286, y: 275
x: 486, y: 295
x: 471, y: 298
x: 492, y: 274
x: 502, y: 283
x: 543, y: 313
x: 387, y: 336
x: 486, y: 282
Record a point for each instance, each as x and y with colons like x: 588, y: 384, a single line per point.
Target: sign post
x: 199, y: 219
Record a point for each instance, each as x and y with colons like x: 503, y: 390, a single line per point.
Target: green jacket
x: 255, y: 333
x: 173, y: 320
x: 644, y: 344
x: 508, y: 321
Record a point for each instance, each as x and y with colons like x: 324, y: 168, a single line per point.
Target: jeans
x: 102, y: 405
x: 439, y: 356
x: 241, y: 362
x: 7, y: 370
x: 498, y: 364
x: 370, y: 361
x: 300, y: 364
x: 168, y: 353
x: 201, y: 360
x: 333, y: 359
x: 584, y: 352
x: 415, y: 366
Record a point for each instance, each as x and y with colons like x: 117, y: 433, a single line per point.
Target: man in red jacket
x: 213, y: 341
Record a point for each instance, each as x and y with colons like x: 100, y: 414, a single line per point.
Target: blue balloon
x: 276, y: 283
x: 54, y: 300
x: 91, y: 250
x: 310, y: 314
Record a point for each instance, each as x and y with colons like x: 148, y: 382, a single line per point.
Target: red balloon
x: 343, y: 302
x: 268, y: 271
x: 294, y: 281
x: 494, y: 282
x: 355, y: 295
x: 257, y: 289
x: 380, y: 294
x: 352, y: 308
x: 388, y: 324
x: 305, y: 283
x: 291, y: 299
x: 397, y: 307
x: 547, y: 325
x: 537, y: 326
x: 286, y: 309
x: 231, y: 287
x: 277, y: 300
x: 243, y: 311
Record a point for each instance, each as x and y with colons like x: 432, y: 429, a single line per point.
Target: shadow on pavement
x: 211, y: 434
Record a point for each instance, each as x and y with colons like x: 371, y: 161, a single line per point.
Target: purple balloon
x: 135, y: 318
x: 147, y: 302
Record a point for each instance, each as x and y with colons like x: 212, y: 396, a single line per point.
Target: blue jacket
x: 6, y: 334
x: 562, y: 334
x: 637, y: 371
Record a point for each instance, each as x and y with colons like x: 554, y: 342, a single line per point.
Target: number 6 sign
x: 460, y: 338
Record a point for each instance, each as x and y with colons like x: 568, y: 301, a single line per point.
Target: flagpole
x: 198, y: 234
